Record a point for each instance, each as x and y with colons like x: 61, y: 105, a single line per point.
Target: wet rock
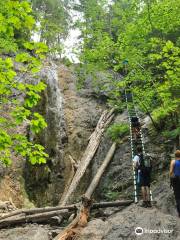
x: 118, y: 175
x: 43, y: 183
x: 71, y: 120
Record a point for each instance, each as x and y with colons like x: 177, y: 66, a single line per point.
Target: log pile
x: 45, y: 215
x: 35, y: 218
x: 74, y: 229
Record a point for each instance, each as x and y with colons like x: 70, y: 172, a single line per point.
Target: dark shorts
x: 176, y: 186
x: 135, y: 124
x: 145, y: 178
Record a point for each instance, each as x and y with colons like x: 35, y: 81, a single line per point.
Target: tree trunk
x: 74, y: 167
x: 111, y: 204
x: 82, y: 218
x: 100, y: 172
x: 41, y: 217
x: 89, y: 153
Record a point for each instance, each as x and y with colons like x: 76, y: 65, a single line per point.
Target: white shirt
x: 136, y: 161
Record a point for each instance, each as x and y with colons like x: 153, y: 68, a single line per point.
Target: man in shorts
x: 145, y: 176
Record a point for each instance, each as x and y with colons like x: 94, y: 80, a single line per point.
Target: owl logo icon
x: 139, y: 231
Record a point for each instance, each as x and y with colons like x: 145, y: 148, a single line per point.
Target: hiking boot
x: 144, y: 204
x: 149, y: 204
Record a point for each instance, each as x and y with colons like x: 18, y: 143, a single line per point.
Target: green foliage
x: 112, y: 195
x: 67, y: 62
x: 35, y: 152
x: 117, y: 131
x: 53, y: 20
x: 38, y: 123
x: 16, y: 24
x: 146, y: 33
x: 173, y: 134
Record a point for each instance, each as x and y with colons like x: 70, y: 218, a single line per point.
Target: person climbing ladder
x: 175, y: 179
x: 144, y: 168
x: 135, y: 128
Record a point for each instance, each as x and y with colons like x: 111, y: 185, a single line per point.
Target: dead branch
x: 89, y: 153
x: 35, y: 218
x: 100, y: 172
x: 81, y: 220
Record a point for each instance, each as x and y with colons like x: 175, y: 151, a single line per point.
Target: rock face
x: 45, y: 182
x: 71, y: 119
x: 124, y: 224
x: 159, y: 222
x: 82, y: 112
x: 118, y: 176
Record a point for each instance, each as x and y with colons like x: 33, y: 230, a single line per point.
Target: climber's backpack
x: 145, y: 163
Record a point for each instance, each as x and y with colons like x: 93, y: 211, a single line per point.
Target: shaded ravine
x: 44, y: 183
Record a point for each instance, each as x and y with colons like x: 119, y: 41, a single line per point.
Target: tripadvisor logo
x: 139, y: 231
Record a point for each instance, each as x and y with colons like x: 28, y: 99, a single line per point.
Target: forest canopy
x: 140, y: 40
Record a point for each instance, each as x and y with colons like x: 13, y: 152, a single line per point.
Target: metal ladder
x: 132, y: 112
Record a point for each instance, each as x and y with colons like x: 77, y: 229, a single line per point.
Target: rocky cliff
x: 72, y: 116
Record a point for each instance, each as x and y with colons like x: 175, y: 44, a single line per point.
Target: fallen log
x: 70, y: 207
x: 89, y: 153
x: 100, y: 171
x: 35, y: 218
x: 74, y: 167
x: 72, y: 230
x: 111, y: 204
x: 37, y: 210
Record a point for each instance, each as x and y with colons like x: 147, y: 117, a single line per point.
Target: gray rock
x: 44, y: 181
x: 95, y: 230
x: 122, y: 225
x: 31, y: 232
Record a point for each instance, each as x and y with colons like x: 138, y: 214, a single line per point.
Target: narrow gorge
x: 89, y: 120
x: 72, y: 117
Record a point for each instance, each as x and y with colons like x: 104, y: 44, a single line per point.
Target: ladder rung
x: 132, y: 112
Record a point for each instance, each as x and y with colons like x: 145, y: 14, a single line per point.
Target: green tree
x: 19, y: 58
x: 146, y: 33
x: 53, y: 20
